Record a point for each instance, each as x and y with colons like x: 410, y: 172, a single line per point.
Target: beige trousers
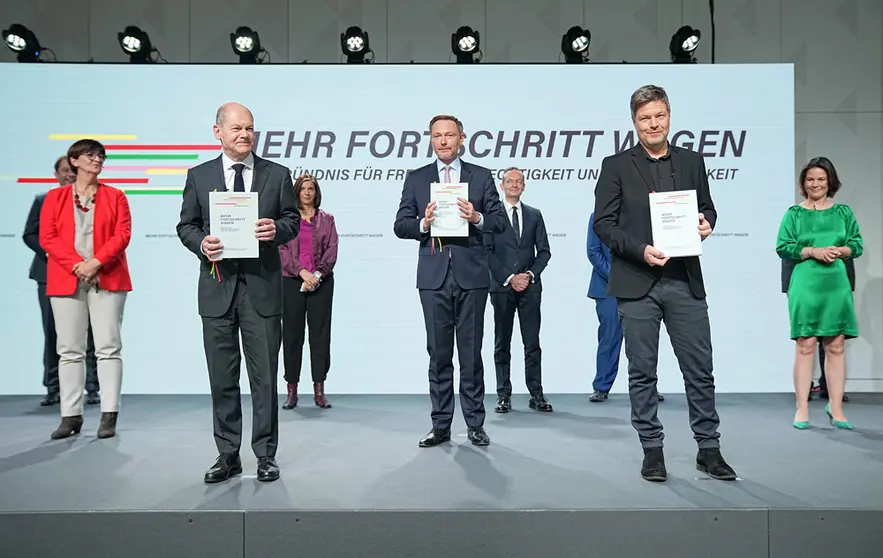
x: 73, y: 314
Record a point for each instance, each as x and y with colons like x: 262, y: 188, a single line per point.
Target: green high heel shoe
x: 846, y: 425
x: 800, y: 424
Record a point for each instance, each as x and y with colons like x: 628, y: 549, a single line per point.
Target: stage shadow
x: 463, y: 476
x: 768, y: 496
x: 25, y: 406
x: 244, y: 492
x: 47, y: 451
x: 870, y: 442
x: 61, y: 469
x: 480, y: 472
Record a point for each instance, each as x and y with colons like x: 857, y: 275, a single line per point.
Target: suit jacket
x: 31, y: 237
x: 325, y: 242
x: 788, y: 269
x: 622, y: 217
x: 599, y: 257
x: 468, y: 256
x: 263, y: 274
x: 111, y: 233
x: 506, y: 256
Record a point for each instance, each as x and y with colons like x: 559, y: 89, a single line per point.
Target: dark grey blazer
x: 622, y: 217
x: 31, y: 237
x: 468, y: 256
x: 506, y: 256
x: 264, y: 274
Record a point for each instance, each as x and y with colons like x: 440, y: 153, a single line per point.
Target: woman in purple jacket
x: 308, y: 290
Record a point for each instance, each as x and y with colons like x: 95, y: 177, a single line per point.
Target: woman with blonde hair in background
x: 819, y: 235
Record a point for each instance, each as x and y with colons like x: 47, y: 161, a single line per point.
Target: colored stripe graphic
x: 140, y: 168
x: 172, y: 147
x: 99, y: 137
x: 149, y: 157
x: 156, y: 161
x: 166, y: 171
x: 172, y: 191
x: 53, y: 180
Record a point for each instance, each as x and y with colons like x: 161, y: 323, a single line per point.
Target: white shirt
x: 230, y: 174
x: 455, y: 178
x: 455, y: 170
x: 510, y: 213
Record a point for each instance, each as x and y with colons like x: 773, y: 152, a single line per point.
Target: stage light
x: 466, y: 44
x: 22, y: 41
x: 247, y: 45
x: 575, y: 45
x: 683, y: 45
x: 354, y: 44
x: 136, y: 44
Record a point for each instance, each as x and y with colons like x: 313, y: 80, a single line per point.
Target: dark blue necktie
x: 516, y: 226
x: 238, y: 181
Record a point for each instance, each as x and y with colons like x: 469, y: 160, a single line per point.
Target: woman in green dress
x: 819, y: 235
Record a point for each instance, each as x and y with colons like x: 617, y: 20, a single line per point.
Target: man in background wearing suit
x: 651, y: 288
x: 241, y: 295
x: 452, y: 278
x: 65, y: 175
x: 517, y: 257
x: 609, y: 327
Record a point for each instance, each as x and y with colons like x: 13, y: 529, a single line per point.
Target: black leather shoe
x: 653, y: 469
x: 539, y: 403
x: 478, y: 436
x: 661, y: 397
x: 93, y: 398
x: 227, y: 466
x: 268, y: 469
x: 435, y: 437
x: 711, y: 462
x: 50, y: 399
x: 598, y: 396
x: 504, y: 403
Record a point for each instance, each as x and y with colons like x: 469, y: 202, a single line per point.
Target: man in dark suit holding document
x: 240, y: 294
x: 452, y: 273
x: 652, y: 287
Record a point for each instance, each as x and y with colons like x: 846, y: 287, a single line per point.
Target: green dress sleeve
x: 853, y: 238
x: 786, y: 243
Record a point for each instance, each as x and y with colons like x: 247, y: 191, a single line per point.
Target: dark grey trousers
x: 261, y: 341
x: 451, y: 313
x: 686, y: 321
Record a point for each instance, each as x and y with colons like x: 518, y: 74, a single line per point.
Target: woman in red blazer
x: 85, y: 228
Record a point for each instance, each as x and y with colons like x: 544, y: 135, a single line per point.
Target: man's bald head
x: 226, y: 108
x: 234, y: 127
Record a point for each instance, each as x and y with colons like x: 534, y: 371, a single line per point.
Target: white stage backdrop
x: 358, y: 128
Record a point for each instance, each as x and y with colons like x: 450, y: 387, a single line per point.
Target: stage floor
x: 363, y: 455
